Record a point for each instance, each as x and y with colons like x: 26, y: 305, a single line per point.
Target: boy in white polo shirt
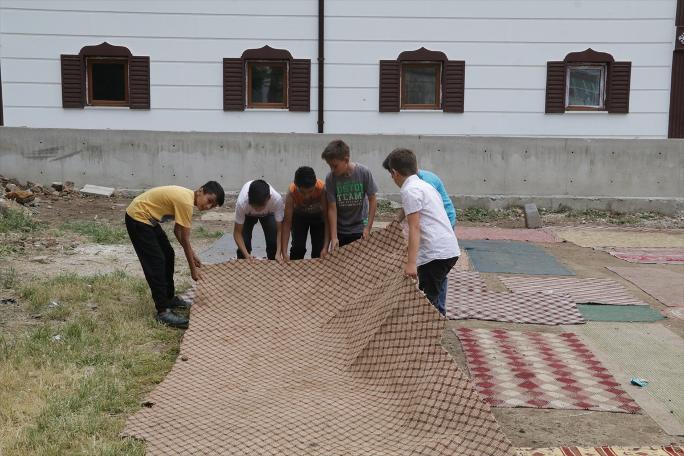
x: 432, y: 245
x: 258, y: 202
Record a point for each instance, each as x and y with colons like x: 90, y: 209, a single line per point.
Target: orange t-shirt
x: 310, y: 205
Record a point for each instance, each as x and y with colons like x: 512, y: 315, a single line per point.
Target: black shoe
x: 178, y: 303
x: 169, y: 318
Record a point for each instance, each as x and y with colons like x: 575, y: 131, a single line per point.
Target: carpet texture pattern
x: 468, y: 298
x: 603, y: 451
x: 319, y: 357
x: 590, y: 290
x: 540, y: 370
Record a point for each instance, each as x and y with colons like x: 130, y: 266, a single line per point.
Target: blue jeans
x: 441, y: 298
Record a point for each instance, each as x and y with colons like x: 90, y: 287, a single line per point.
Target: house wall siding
x: 505, y: 46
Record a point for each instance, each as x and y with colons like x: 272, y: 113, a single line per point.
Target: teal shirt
x: 436, y: 182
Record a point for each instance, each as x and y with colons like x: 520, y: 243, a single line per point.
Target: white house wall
x: 504, y: 43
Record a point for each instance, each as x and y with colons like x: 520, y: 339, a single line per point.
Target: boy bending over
x: 143, y: 218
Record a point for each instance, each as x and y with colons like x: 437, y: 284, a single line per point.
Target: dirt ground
x: 43, y: 253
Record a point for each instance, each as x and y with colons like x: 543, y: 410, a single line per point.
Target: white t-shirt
x: 275, y: 205
x: 437, y: 238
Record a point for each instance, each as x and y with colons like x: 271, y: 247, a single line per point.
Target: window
x: 586, y: 87
x: 267, y: 84
x: 420, y: 85
x: 422, y: 79
x: 588, y: 81
x: 105, y: 75
x: 266, y: 78
x: 107, y: 82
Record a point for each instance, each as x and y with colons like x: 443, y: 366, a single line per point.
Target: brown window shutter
x: 389, y: 85
x: 300, y: 85
x: 453, y: 86
x: 72, y: 81
x: 555, y: 87
x: 233, y: 85
x: 676, y: 127
x: 139, y: 82
x: 617, y: 96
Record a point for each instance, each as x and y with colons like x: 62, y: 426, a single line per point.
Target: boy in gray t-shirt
x: 350, y: 190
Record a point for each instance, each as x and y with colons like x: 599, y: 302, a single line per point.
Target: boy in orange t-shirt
x: 305, y: 209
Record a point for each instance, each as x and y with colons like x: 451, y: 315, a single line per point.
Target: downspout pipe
x: 321, y: 60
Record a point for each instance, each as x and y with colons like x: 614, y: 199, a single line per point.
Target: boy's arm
x: 240, y: 241
x: 372, y: 206
x: 287, y: 226
x: 332, y: 222
x: 182, y: 233
x: 413, y: 220
x: 279, y: 244
x: 326, y: 233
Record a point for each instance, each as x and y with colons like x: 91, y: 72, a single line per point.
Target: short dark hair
x: 305, y: 177
x: 214, y: 188
x: 402, y: 161
x: 259, y: 192
x: 336, y: 150
x: 385, y: 163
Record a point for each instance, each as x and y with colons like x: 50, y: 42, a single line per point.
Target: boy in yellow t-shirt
x: 143, y: 218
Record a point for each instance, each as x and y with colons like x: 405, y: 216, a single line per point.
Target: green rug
x: 597, y: 312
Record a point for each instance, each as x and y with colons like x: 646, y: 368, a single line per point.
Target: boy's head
x: 258, y: 194
x: 305, y: 180
x: 401, y: 163
x: 336, y: 155
x: 209, y: 195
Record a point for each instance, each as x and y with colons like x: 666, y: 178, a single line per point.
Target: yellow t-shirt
x: 160, y: 204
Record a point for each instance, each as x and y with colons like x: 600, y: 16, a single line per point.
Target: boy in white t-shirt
x: 432, y: 245
x: 258, y: 202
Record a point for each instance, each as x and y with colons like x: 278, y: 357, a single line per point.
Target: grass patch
x: 202, y: 232
x: 98, y: 232
x: 613, y: 218
x: 17, y: 220
x: 477, y: 214
x: 71, y: 394
x: 8, y: 278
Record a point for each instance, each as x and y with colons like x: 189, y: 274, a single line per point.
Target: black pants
x: 156, y: 257
x: 302, y: 225
x: 268, y: 224
x: 431, y: 277
x: 345, y: 239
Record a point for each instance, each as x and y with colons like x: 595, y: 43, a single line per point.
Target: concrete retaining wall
x: 623, y: 175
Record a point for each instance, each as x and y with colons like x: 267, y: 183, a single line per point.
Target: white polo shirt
x: 437, y: 238
x: 275, y: 205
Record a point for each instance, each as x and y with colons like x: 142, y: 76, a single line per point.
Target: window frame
x: 438, y: 85
x: 90, y: 101
x: 286, y: 98
x: 602, y: 89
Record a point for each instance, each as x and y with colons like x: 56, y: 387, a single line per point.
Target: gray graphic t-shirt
x: 351, y: 193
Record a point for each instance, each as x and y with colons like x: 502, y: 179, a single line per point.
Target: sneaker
x: 169, y: 318
x: 179, y: 303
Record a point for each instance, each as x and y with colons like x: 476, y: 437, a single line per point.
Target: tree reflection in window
x: 420, y: 85
x: 586, y: 87
x: 267, y: 85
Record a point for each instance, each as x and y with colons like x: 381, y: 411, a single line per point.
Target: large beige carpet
x: 340, y: 356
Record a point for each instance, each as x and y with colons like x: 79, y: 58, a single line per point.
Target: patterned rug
x: 670, y: 255
x: 599, y: 236
x: 468, y: 298
x: 317, y: 357
x: 511, y: 234
x: 591, y: 290
x: 664, y: 285
x: 540, y: 370
x: 603, y: 451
